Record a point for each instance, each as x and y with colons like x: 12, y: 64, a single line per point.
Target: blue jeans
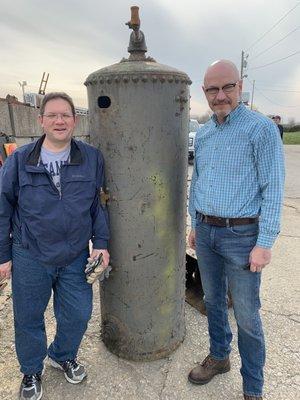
x: 32, y: 284
x: 223, y: 257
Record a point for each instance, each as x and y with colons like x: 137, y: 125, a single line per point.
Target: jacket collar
x: 33, y: 157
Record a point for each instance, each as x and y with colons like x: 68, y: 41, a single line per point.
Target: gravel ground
x: 110, y: 377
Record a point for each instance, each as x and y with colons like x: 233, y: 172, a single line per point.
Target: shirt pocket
x: 237, y: 158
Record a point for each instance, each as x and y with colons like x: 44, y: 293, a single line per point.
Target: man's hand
x: 96, y: 252
x: 259, y: 258
x: 97, y: 267
x: 192, y: 239
x: 5, y: 270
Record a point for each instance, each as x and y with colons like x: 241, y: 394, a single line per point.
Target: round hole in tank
x: 104, y: 101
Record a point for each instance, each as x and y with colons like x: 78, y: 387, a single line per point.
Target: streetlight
x: 23, y: 84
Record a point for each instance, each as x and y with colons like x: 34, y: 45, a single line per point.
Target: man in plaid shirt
x: 235, y: 204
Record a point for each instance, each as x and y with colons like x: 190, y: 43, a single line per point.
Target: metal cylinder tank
x: 139, y: 111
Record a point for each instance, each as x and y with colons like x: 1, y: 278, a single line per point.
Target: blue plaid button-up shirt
x: 239, y: 171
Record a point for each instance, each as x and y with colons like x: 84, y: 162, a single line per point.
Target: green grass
x: 291, y: 137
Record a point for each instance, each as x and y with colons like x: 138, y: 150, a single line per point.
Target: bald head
x: 220, y: 69
x: 222, y: 87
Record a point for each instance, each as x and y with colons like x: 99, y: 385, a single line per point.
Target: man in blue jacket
x: 49, y: 210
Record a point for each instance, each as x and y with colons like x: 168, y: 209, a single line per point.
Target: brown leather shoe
x: 246, y: 397
x: 209, y: 367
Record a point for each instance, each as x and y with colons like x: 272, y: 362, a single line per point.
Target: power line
x: 277, y: 86
x: 276, y: 23
x: 264, y: 51
x: 276, y: 61
x: 283, y: 91
x: 274, y: 102
x: 271, y: 101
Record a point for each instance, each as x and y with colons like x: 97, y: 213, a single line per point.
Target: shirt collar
x: 231, y: 116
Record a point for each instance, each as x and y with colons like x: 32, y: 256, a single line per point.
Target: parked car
x: 194, y: 126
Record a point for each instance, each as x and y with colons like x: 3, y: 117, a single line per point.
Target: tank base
x: 150, y: 356
x: 121, y: 342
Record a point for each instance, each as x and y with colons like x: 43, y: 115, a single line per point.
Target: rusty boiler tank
x: 139, y: 111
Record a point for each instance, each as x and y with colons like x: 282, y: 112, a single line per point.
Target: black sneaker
x: 31, y: 387
x: 74, y: 372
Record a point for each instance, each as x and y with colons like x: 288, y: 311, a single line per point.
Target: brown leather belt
x: 218, y: 221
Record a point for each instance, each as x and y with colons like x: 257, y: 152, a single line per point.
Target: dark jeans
x: 32, y: 284
x: 223, y: 256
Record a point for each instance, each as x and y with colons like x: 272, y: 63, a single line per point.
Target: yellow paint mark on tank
x: 167, y: 236
x: 165, y: 309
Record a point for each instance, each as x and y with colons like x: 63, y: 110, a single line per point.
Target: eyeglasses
x: 226, y: 88
x: 54, y: 117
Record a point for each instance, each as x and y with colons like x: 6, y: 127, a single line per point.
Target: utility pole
x: 252, y: 95
x: 243, y: 64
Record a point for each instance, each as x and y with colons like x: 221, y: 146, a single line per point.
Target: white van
x: 194, y: 126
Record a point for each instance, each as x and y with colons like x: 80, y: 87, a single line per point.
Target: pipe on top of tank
x: 137, y: 44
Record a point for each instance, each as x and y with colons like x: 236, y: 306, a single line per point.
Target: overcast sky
x: 71, y: 39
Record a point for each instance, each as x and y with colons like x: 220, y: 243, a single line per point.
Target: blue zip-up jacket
x: 54, y: 227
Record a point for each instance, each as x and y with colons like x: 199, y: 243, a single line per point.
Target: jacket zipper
x: 52, y: 184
